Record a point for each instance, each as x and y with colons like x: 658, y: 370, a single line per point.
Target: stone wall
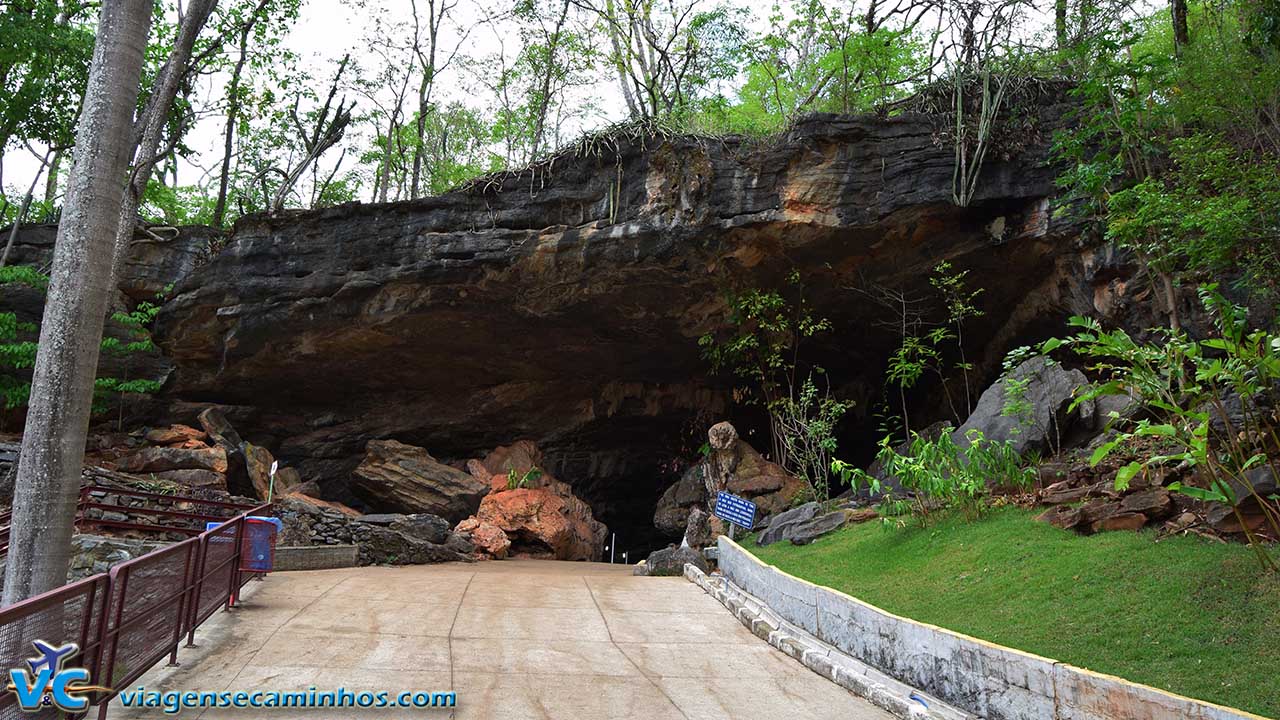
x: 381, y: 539
x: 992, y: 681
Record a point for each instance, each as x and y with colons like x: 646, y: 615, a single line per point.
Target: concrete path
x: 514, y: 639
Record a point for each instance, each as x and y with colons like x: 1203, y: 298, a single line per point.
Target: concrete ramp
x: 513, y: 639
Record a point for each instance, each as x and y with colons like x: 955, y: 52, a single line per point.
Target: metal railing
x: 128, y: 619
x: 194, y: 521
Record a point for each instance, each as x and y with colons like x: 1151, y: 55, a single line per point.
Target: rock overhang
x: 564, y: 303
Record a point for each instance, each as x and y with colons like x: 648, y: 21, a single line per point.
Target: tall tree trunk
x: 51, y: 180
x: 22, y: 211
x: 229, y: 132
x: 48, y: 482
x: 1181, y: 36
x: 1060, y: 23
x: 544, y: 101
x: 233, y: 112
x: 150, y: 127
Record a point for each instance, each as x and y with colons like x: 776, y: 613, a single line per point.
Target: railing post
x: 197, y: 588
x: 109, y: 665
x: 180, y: 616
x: 234, y: 591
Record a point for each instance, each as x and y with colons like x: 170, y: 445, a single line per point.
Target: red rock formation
x: 547, y: 522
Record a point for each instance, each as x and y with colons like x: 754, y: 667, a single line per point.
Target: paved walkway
x: 514, y: 639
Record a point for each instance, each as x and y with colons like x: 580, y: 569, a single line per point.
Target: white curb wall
x: 989, y: 680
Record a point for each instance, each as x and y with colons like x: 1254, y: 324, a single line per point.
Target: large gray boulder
x: 672, y: 512
x: 1046, y: 398
x: 785, y: 523
x: 810, y: 530
x: 395, y: 477
x: 671, y: 561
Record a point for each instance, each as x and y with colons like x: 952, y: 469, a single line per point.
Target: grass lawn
x: 1183, y: 614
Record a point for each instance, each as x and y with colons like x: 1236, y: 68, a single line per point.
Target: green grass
x: 1183, y: 614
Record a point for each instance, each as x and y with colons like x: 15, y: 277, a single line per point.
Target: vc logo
x: 49, y: 684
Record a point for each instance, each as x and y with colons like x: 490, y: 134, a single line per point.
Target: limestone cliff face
x: 563, y: 303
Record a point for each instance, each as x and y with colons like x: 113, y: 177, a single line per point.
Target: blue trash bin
x: 258, y: 553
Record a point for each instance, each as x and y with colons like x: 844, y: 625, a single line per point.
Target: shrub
x: 940, y: 474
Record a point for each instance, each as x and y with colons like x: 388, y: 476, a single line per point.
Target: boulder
x: 672, y: 512
x: 222, y: 434
x: 397, y: 548
x: 383, y: 519
x: 174, y: 435
x: 671, y: 560
x: 424, y: 526
x: 257, y: 463
x: 288, y: 478
x: 194, y: 478
x: 485, y: 537
x: 1155, y: 503
x: 856, y: 516
x: 733, y: 465
x: 521, y: 456
x: 806, y: 532
x: 402, y: 478
x: 698, y: 533
x: 1260, y: 481
x: 161, y: 459
x: 1120, y: 521
x: 546, y: 522
x: 1047, y: 395
x: 318, y: 504
x: 783, y: 524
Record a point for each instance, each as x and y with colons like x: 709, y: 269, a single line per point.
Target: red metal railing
x: 193, y: 522
x: 127, y: 620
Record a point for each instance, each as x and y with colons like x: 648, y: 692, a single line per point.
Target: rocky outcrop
x: 670, y: 561
x: 542, y: 522
x: 1030, y: 408
x: 781, y: 525
x: 563, y: 303
x: 392, y: 540
x: 731, y: 465
x: 396, y: 477
x: 160, y: 459
x: 487, y: 538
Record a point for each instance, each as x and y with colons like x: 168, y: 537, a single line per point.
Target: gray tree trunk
x: 48, y: 481
x: 152, y: 123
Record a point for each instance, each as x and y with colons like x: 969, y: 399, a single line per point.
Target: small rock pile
x: 1085, y: 499
x: 392, y: 539
x: 93, y: 554
x: 214, y: 457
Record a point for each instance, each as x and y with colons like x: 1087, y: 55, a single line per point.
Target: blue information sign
x: 739, y: 511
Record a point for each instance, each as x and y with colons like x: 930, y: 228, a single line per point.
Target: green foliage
x: 940, y: 474
x: 516, y: 480
x: 765, y: 331
x: 1180, y: 157
x: 816, y: 58
x: 931, y: 345
x: 1187, y: 381
x: 24, y: 275
x: 807, y: 422
x: 184, y: 205
x: 18, y: 346
x: 45, y: 47
x: 1213, y: 210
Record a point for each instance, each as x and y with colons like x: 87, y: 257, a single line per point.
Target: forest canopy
x: 1173, y: 152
